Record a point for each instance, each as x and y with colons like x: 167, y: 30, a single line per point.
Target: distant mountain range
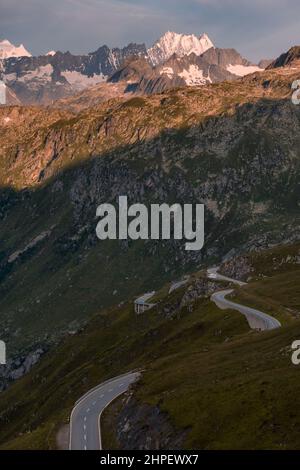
x: 40, y: 80
x: 174, y: 60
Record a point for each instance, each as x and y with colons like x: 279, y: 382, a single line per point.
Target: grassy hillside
x: 115, y: 342
x: 275, y: 282
x: 244, y: 393
x: 225, y: 386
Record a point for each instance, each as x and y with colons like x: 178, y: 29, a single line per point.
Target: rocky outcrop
x: 201, y: 288
x: 264, y: 63
x: 19, y: 366
x: 145, y: 427
x: 291, y: 58
x: 237, y: 268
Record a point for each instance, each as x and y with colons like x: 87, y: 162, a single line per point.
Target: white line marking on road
x: 81, y: 403
x: 85, y: 448
x: 121, y: 385
x: 84, y: 437
x: 84, y: 427
x: 111, y: 390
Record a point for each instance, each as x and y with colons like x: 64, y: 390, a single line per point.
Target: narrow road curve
x: 85, y: 433
x: 257, y: 320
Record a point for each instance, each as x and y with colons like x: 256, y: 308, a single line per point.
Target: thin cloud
x: 256, y: 28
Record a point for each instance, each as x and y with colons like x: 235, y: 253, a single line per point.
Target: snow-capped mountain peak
x: 7, y: 49
x: 206, y: 42
x: 180, y: 44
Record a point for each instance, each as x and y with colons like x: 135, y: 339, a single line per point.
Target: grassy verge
x: 242, y: 394
x: 278, y: 295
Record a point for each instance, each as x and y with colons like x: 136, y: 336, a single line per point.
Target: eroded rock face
x: 291, y: 58
x: 201, y: 288
x: 145, y: 427
x: 18, y: 367
x: 237, y: 268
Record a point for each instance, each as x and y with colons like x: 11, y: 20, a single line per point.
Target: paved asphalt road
x: 85, y: 417
x: 257, y: 320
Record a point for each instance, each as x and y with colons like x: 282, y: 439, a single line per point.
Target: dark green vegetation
x: 226, y: 386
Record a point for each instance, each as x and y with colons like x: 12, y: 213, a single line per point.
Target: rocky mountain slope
x: 137, y: 77
x: 215, y: 65
x: 233, y: 146
x: 291, y: 58
x: 264, y: 63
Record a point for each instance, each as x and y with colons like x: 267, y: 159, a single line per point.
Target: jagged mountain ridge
x: 213, y: 66
x: 46, y: 78
x: 291, y: 58
x: 138, y: 77
x: 180, y: 44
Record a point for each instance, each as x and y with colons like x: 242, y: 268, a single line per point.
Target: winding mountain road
x: 257, y: 320
x: 85, y: 432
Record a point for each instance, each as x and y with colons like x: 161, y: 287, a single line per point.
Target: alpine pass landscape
x: 149, y: 236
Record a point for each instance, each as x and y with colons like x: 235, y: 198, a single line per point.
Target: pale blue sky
x: 256, y: 28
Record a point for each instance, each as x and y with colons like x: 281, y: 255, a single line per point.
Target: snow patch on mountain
x: 79, y: 81
x: 167, y: 71
x: 179, y: 44
x: 41, y: 74
x: 51, y: 53
x: 7, y: 49
x: 242, y: 70
x: 194, y: 76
